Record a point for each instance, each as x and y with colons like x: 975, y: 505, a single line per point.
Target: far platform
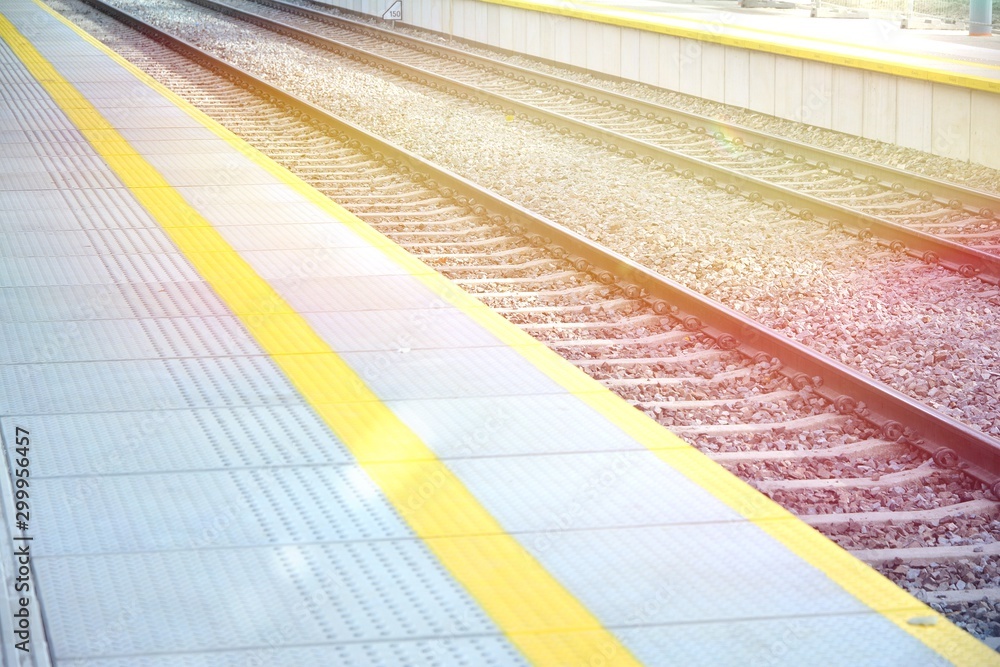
x: 932, y: 91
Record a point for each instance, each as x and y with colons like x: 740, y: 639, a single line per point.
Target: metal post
x: 980, y: 17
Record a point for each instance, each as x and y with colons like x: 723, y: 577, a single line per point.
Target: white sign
x: 395, y: 11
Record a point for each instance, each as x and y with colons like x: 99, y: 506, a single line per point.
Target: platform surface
x: 259, y: 433
x: 943, y: 56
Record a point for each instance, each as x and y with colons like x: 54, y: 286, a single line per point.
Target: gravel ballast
x: 918, y: 328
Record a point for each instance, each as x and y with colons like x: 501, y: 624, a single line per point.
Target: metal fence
x: 945, y: 10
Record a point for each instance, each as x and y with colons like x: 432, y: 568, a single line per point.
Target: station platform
x: 879, y: 45
x: 259, y: 433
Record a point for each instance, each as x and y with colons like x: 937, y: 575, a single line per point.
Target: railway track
x: 314, y: 65
x: 934, y: 221
x: 899, y: 497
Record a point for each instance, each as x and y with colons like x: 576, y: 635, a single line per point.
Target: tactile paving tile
x: 165, y: 438
x: 68, y: 135
x: 107, y: 209
x: 30, y: 206
x: 127, y: 93
x: 150, y: 268
x: 121, y: 339
x: 13, y: 138
x: 222, y: 198
x: 210, y: 201
x: 54, y: 342
x: 73, y: 52
x: 32, y: 116
x: 30, y: 180
x: 478, y: 371
x: 469, y: 427
x: 210, y: 509
x: 319, y: 295
x: 199, y: 337
x: 196, y: 177
x: 14, y: 92
x: 132, y: 241
x: 68, y: 148
x: 35, y: 114
x: 76, y: 162
x: 175, y: 299
x: 68, y: 178
x: 390, y: 591
x: 54, y: 218
x: 482, y: 651
x: 162, y: 144
x: 772, y: 642
x: 399, y: 331
x: 146, y: 116
x: 10, y: 123
x: 323, y: 263
x: 285, y: 224
x: 63, y: 302
x: 74, y: 71
x: 260, y: 233
x: 98, y: 302
x: 10, y: 163
x: 223, y: 160
x: 739, y: 571
x: 585, y: 491
x: 44, y: 388
x: 67, y: 242
x: 48, y: 271
x: 142, y: 138
x: 62, y: 243
x: 11, y: 74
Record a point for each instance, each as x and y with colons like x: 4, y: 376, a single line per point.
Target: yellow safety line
x: 652, y: 19
x: 858, y: 579
x: 650, y: 22
x: 539, y: 616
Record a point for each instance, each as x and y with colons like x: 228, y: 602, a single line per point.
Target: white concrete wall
x: 938, y: 118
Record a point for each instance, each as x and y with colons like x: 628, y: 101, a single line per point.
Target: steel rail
x: 900, y: 417
x: 967, y: 261
x: 953, y: 195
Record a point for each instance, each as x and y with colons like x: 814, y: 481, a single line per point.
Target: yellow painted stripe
x: 835, y: 53
x: 548, y: 624
x: 854, y: 576
x: 858, y: 579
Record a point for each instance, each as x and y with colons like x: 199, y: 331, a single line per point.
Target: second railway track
x: 853, y: 474
x: 932, y: 220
